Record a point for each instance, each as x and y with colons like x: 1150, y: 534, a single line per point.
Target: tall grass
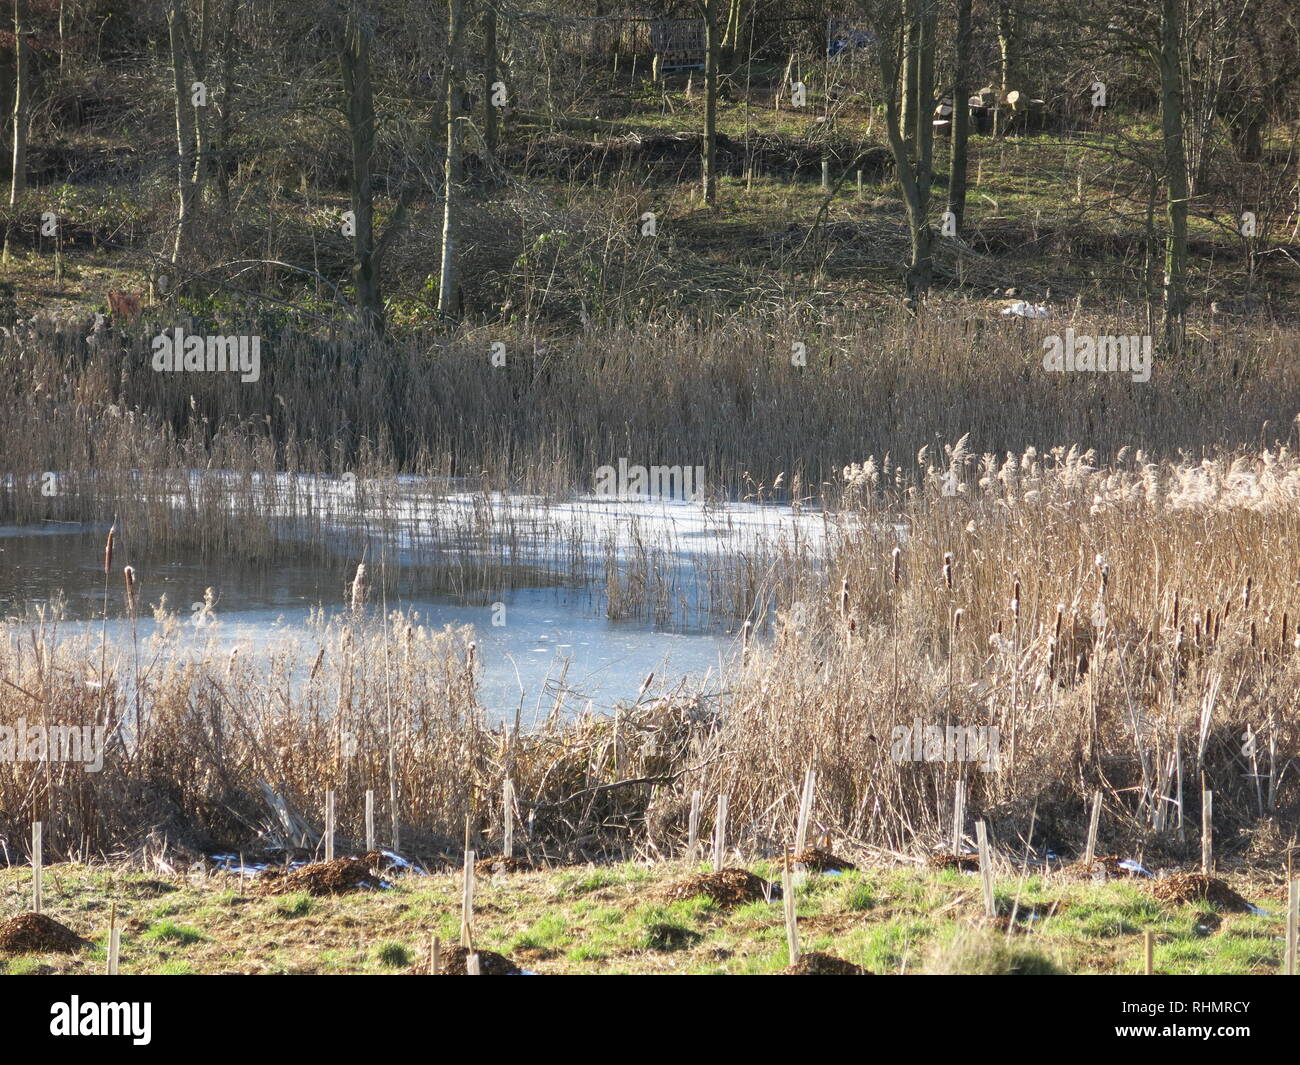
x: 1112, y: 617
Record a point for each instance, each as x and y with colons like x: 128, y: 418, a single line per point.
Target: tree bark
x: 960, y: 114
x: 448, y: 276
x: 22, y: 92
x: 185, y: 133
x: 1175, y: 167
x: 491, y: 115
x: 709, y: 174
x: 354, y: 66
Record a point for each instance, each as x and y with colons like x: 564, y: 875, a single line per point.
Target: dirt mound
x: 35, y: 933
x: 501, y: 864
x: 817, y: 964
x: 967, y: 863
x: 1196, y: 887
x: 324, y: 878
x: 452, y: 963
x: 821, y: 861
x: 726, y: 887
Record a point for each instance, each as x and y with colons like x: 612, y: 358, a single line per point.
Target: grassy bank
x: 615, y: 919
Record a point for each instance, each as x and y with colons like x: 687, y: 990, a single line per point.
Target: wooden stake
x: 826, y: 174
x: 693, y: 829
x: 1149, y: 953
x: 1292, y: 967
x: 114, y: 942
x: 37, y: 827
x: 329, y: 826
x: 508, y: 801
x: 787, y: 902
x: 859, y: 184
x: 467, y: 904
x: 958, y: 815
x: 435, y: 956
x: 1093, y: 822
x: 1207, y: 832
x: 370, y: 820
x: 805, y: 811
x: 720, y: 834
x: 986, y: 868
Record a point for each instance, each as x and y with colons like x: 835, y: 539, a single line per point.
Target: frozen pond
x: 531, y: 578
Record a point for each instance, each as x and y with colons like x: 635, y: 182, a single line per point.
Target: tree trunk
x: 1008, y: 74
x: 448, y: 276
x: 1175, y: 166
x: 960, y: 115
x: 491, y: 114
x: 354, y: 65
x: 709, y: 153
x: 907, y: 117
x: 22, y: 90
x: 916, y: 192
x: 185, y: 135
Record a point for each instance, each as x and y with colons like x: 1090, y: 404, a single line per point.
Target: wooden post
x: 37, y: 827
x: 859, y: 184
x: 1148, y: 953
x: 826, y: 174
x: 1178, y: 760
x: 508, y: 800
x: 693, y: 829
x: 958, y: 815
x: 467, y: 904
x: 1094, y: 821
x: 329, y: 826
x: 986, y: 869
x: 805, y: 811
x: 720, y: 834
x: 787, y: 903
x: 1207, y: 832
x: 472, y: 967
x: 1292, y: 926
x: 435, y: 956
x: 370, y: 820
x: 114, y: 942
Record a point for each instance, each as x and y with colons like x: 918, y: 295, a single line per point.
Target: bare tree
x: 448, y: 276
x: 960, y: 113
x: 894, y: 28
x: 22, y: 93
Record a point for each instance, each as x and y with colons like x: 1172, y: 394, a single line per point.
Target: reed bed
x: 1117, y: 623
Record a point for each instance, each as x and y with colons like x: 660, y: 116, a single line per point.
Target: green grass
x: 614, y: 919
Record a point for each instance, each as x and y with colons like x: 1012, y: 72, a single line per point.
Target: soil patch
x: 967, y: 863
x: 1196, y: 887
x: 820, y: 861
x: 726, y: 887
x: 818, y: 964
x: 324, y: 878
x: 501, y: 864
x: 35, y: 933
x: 451, y: 962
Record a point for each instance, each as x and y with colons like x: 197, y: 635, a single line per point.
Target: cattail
x: 947, y: 570
x: 844, y: 597
x: 1176, y: 605
x: 1245, y: 594
x: 645, y: 684
x: 359, y: 588
x: 108, y: 550
x: 956, y: 621
x: 128, y: 573
x: 898, y: 554
x: 1015, y: 602
x: 1104, y: 570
